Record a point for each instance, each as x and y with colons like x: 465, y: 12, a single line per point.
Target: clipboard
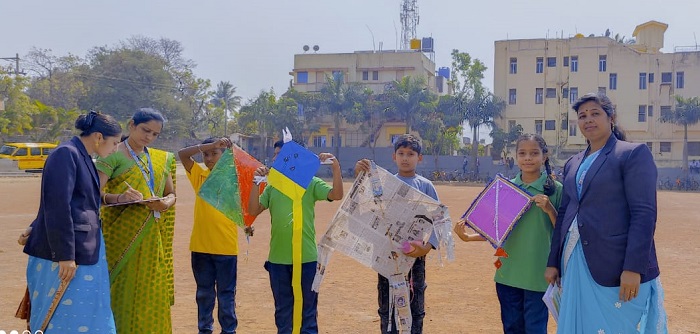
x: 147, y: 200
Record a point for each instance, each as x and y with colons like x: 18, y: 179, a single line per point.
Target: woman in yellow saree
x: 139, y: 236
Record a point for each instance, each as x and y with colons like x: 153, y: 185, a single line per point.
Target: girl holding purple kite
x: 520, y: 284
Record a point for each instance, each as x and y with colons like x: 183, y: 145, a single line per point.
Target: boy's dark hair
x: 280, y: 143
x: 607, y: 106
x: 410, y: 141
x: 549, y: 185
x: 211, y: 140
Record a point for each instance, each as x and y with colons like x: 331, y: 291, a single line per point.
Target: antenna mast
x: 409, y: 22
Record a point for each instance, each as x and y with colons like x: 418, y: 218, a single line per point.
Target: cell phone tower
x: 409, y: 22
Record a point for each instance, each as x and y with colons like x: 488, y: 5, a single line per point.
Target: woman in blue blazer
x: 65, y: 246
x: 603, y: 240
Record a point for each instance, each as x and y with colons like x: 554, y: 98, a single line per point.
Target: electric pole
x: 16, y: 59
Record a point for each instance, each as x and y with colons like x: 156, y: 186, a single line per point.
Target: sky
x: 252, y: 43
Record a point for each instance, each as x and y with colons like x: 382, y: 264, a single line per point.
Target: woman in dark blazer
x: 67, y: 275
x: 603, y: 240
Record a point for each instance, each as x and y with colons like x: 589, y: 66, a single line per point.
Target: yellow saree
x: 139, y: 246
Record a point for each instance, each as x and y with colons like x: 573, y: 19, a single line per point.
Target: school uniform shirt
x: 281, y: 215
x: 529, y: 242
x: 213, y: 232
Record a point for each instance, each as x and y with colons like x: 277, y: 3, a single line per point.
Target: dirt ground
x: 460, y: 298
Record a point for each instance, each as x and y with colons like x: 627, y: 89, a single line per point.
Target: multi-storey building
x: 375, y: 70
x: 540, y: 79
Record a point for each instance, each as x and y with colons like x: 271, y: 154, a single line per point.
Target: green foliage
x: 50, y: 123
x: 341, y: 101
x: 472, y: 100
x: 410, y: 100
x: 685, y: 113
x: 17, y: 116
x: 503, y: 140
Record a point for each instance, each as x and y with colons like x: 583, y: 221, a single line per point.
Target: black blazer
x: 616, y: 213
x: 67, y: 225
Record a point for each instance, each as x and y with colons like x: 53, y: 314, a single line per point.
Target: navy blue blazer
x: 616, y: 212
x: 68, y: 222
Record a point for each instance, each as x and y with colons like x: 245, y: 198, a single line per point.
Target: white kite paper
x: 379, y: 214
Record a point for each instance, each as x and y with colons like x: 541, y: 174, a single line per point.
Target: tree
x: 685, y: 113
x: 440, y: 127
x: 225, y: 97
x: 410, y: 99
x: 17, y: 116
x: 502, y: 140
x: 340, y: 100
x: 51, y: 122
x: 472, y: 100
x: 56, y: 80
x: 258, y: 117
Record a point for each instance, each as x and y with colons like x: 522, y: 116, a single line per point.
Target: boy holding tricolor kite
x: 291, y: 195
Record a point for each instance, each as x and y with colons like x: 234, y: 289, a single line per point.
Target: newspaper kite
x: 227, y: 187
x: 496, y: 210
x: 375, y: 221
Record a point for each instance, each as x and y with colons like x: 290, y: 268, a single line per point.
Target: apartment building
x: 375, y: 70
x: 540, y: 79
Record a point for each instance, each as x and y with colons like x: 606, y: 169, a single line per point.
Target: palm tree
x: 481, y: 109
x: 225, y: 97
x: 340, y: 100
x: 685, y: 113
x: 409, y: 98
x: 258, y: 116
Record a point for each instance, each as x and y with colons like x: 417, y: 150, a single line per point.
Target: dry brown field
x: 460, y: 297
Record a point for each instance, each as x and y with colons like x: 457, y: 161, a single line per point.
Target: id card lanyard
x: 148, y: 177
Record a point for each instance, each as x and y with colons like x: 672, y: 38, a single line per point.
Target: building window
x: 512, y: 96
x: 680, y: 80
x: 694, y: 148
x: 650, y: 111
x: 513, y: 65
x: 302, y: 77
x: 511, y: 124
x: 538, y: 95
x: 365, y: 75
x: 602, y: 63
x: 574, y: 63
x: 539, y: 65
x: 642, y: 115
x: 566, y: 62
x: 572, y: 128
x: 551, y: 61
x: 651, y: 77
x: 602, y: 90
x: 613, y: 81
x: 538, y: 127
x: 666, y: 77
x: 375, y: 75
x: 551, y: 93
x: 650, y: 145
x: 665, y: 147
x: 642, y: 81
x: 666, y: 112
x: 319, y: 141
x: 573, y: 94
x: 565, y: 92
x: 550, y: 125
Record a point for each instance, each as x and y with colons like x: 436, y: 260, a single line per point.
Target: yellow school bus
x: 28, y: 155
